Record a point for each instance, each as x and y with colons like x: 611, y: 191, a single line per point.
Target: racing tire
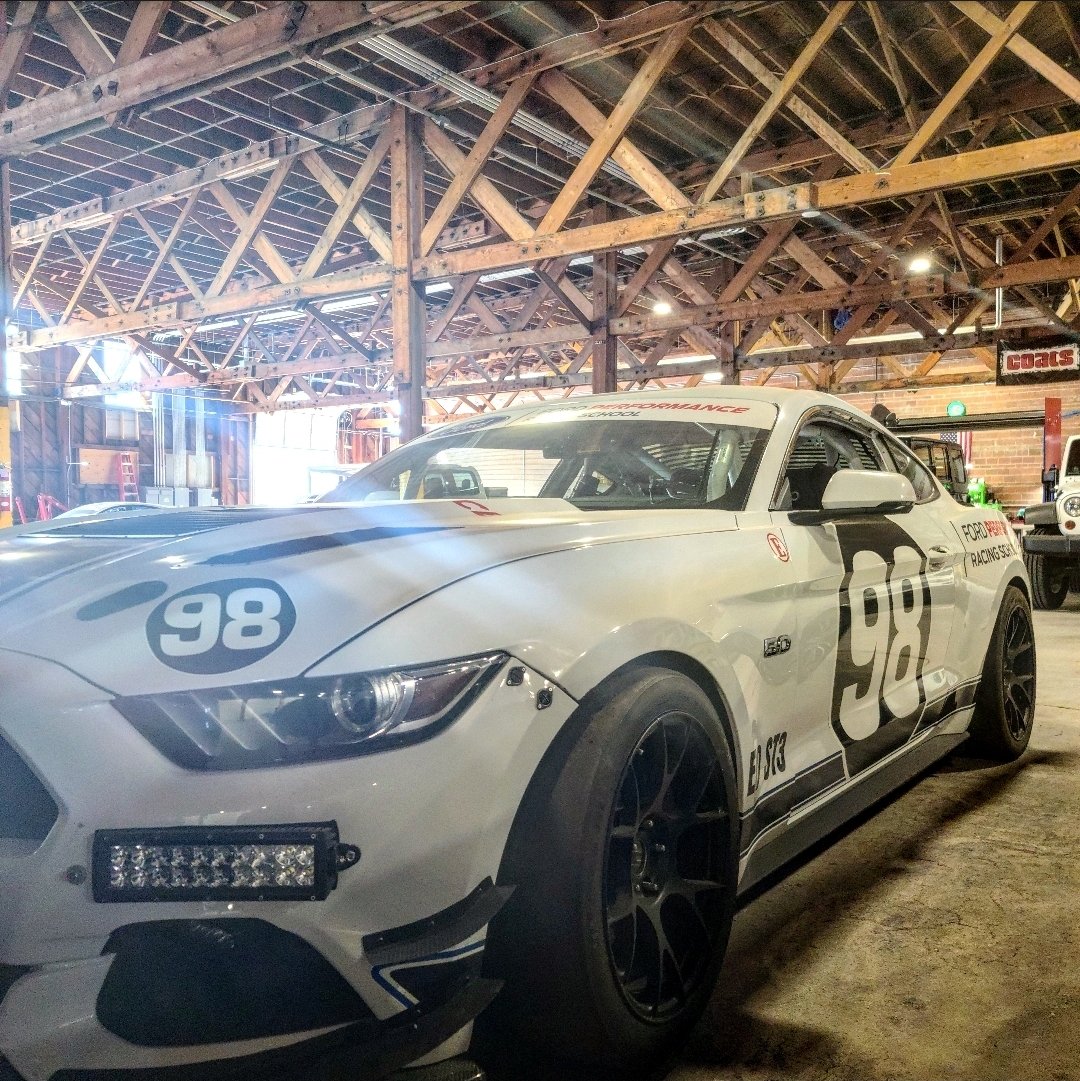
x: 1049, y: 576
x: 624, y: 858
x: 1005, y: 699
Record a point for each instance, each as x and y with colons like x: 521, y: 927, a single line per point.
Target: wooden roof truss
x: 463, y: 205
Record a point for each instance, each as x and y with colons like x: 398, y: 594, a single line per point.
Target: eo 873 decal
x: 220, y: 626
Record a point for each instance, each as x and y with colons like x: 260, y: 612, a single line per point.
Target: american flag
x: 964, y: 439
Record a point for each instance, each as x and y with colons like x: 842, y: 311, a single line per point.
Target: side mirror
x: 855, y: 492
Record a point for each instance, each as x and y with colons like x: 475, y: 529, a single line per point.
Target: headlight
x: 298, y: 720
x: 1071, y: 506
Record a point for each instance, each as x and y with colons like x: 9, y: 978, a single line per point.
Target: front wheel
x: 624, y: 855
x: 1005, y: 700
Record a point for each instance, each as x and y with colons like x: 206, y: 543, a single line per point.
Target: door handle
x: 939, y: 556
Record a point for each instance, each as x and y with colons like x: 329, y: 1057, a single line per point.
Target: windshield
x: 596, y: 459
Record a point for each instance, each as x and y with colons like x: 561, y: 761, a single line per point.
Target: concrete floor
x: 938, y: 939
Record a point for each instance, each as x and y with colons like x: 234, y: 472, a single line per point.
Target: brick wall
x: 1010, y: 459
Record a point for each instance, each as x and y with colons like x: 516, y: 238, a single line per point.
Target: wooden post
x: 1051, y: 441
x: 605, y: 298
x: 406, y: 224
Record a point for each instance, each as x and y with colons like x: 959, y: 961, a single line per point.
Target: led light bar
x: 227, y: 863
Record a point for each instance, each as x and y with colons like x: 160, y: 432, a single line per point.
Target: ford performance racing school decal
x: 220, y: 626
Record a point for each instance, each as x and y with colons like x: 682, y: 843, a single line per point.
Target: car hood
x: 93, y: 595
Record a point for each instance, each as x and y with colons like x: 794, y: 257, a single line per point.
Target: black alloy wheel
x: 1018, y: 673
x: 624, y: 856
x: 1005, y: 700
x: 664, y: 874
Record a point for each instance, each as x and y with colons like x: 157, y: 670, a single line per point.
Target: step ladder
x: 128, y: 465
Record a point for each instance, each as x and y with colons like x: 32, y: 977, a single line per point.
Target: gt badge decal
x: 779, y: 548
x: 775, y: 646
x: 220, y: 626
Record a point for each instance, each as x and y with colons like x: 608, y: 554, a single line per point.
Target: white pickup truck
x: 1052, y: 548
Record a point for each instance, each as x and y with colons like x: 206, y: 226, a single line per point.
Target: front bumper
x: 1049, y: 545
x: 431, y: 821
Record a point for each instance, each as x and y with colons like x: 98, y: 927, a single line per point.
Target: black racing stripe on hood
x: 163, y: 524
x: 121, y: 600
x: 318, y: 543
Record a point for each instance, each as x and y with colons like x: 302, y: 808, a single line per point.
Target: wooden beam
x: 780, y: 92
x: 955, y: 171
x: 881, y: 25
x: 260, y: 157
x: 831, y: 354
x: 406, y: 223
x: 89, y: 267
x: 794, y: 104
x: 462, y: 179
x: 348, y: 208
x: 509, y: 340
x: 653, y: 261
x: 624, y: 232
x: 1033, y: 273
x: 182, y: 71
x: 605, y: 287
x: 625, y: 154
x: 261, y: 243
x: 15, y: 42
x: 142, y: 31
x: 950, y: 379
x: 250, y: 228
x: 969, y: 167
x: 614, y: 128
x: 610, y: 36
x: 933, y: 124
x: 237, y: 375
x: 31, y: 270
x: 79, y: 37
x: 1035, y: 58
x: 488, y: 197
x: 783, y: 304
x: 165, y: 253
x: 243, y: 302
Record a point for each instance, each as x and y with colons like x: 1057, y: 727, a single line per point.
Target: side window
x: 940, y: 467
x: 821, y: 449
x: 957, y: 467
x: 922, y: 452
x: 1072, y: 466
x: 906, y: 463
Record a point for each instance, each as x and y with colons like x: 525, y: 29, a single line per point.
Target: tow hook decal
x: 476, y: 507
x: 779, y: 548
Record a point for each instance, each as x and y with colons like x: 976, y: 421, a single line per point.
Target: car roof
x: 783, y: 398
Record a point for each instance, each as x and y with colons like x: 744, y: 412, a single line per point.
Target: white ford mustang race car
x: 511, y: 723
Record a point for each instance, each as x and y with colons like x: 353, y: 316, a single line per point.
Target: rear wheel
x: 1005, y: 701
x: 1049, y: 576
x: 624, y: 855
